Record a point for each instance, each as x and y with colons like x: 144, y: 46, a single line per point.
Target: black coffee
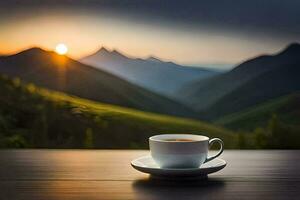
x: 180, y: 140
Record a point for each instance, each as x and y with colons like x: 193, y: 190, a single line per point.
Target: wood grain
x: 107, y: 174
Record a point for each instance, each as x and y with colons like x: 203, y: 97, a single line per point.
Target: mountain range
x: 151, y: 73
x: 212, y: 96
x: 250, y: 83
x: 261, y: 92
x: 61, y: 73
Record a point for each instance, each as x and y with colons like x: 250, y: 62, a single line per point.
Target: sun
x: 61, y: 49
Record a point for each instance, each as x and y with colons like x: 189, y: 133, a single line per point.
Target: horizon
x: 212, y: 66
x: 185, y: 34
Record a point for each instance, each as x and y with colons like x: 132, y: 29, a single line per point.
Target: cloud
x: 269, y: 17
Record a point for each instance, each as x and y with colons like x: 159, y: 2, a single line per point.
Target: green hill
x: 273, y: 84
x: 287, y: 108
x: 38, y: 118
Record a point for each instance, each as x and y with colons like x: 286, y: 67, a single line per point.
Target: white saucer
x: 147, y: 165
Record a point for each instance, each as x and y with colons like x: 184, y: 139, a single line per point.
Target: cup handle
x: 220, y: 151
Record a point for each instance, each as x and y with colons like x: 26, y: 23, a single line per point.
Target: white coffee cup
x: 182, y: 150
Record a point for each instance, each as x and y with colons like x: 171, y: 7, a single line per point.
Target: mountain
x: 61, y: 73
x: 250, y: 83
x: 151, y: 73
x: 287, y: 108
x: 34, y: 117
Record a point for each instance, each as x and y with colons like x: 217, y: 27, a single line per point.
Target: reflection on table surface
x: 107, y: 174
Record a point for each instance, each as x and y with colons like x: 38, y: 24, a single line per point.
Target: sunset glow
x: 208, y: 36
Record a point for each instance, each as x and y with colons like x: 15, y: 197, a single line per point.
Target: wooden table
x: 107, y: 174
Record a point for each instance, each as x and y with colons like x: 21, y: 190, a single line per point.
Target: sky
x: 194, y: 32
